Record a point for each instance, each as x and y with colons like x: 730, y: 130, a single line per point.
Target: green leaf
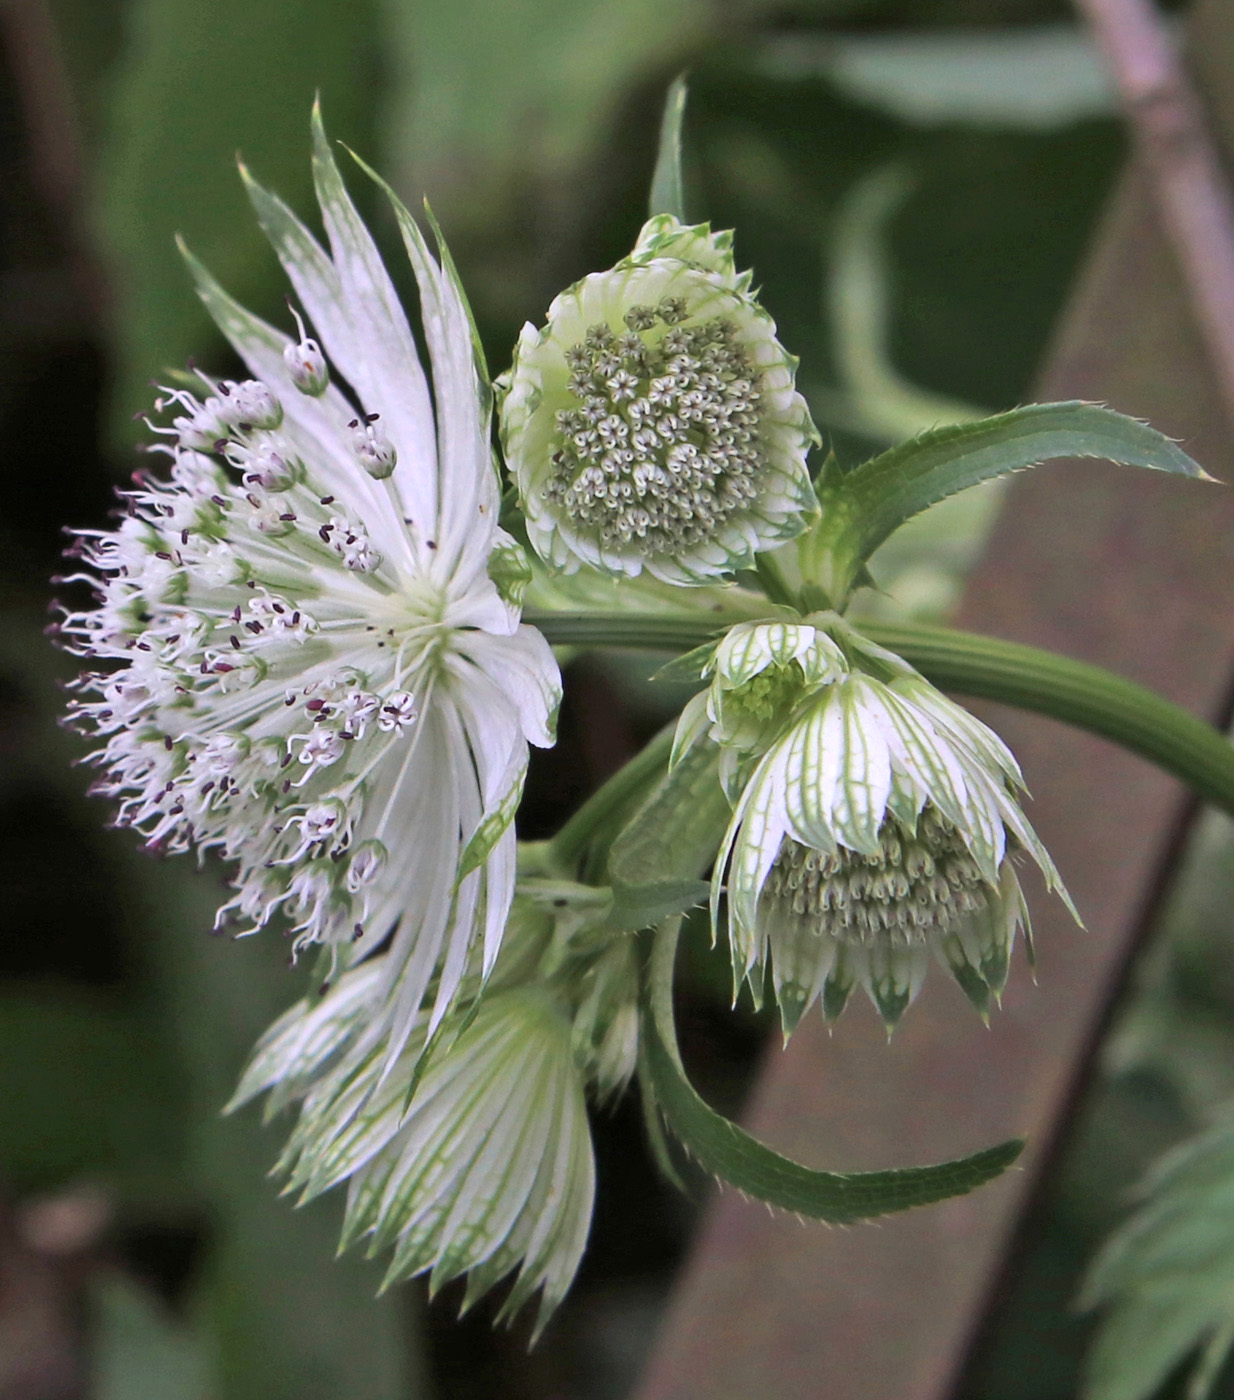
x: 656, y: 861
x: 667, y: 189
x: 140, y: 1349
x: 688, y: 668
x: 731, y: 1154
x: 1166, y: 1276
x: 639, y: 907
x: 862, y: 508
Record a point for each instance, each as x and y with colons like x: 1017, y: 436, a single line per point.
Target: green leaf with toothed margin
x: 863, y: 507
x: 667, y: 188
x: 732, y: 1155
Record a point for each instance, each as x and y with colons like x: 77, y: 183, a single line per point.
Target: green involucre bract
x: 653, y: 422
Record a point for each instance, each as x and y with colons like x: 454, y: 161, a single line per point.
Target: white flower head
x: 477, y: 1157
x: 879, y: 828
x: 653, y: 422
x: 760, y: 672
x: 485, y: 1170
x: 304, y: 663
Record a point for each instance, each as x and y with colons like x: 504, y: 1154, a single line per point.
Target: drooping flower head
x: 653, y: 422
x: 485, y: 1166
x: 306, y: 664
x: 875, y: 823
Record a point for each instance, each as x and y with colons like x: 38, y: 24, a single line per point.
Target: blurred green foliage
x: 193, y: 86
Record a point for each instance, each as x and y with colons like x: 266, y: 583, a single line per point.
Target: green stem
x: 610, y: 799
x: 639, y: 631
x: 1027, y: 677
x: 1073, y: 691
x: 773, y: 582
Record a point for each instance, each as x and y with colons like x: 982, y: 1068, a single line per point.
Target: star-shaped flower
x: 306, y: 663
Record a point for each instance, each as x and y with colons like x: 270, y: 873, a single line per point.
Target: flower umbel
x: 653, y: 422
x: 877, y: 828
x: 478, y: 1158
x: 306, y: 664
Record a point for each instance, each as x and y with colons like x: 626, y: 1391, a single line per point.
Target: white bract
x: 485, y: 1166
x: 874, y: 824
x: 759, y: 672
x: 653, y: 422
x: 306, y: 665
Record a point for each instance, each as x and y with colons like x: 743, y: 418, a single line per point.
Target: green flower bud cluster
x: 915, y: 886
x: 665, y: 441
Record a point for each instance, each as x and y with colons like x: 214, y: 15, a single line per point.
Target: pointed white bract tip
x: 653, y: 423
x: 470, y: 1154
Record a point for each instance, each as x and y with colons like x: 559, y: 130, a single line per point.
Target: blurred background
x: 914, y: 182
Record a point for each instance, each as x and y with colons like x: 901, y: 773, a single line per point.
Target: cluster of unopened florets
x: 875, y: 824
x: 664, y: 445
x: 255, y: 656
x: 915, y: 888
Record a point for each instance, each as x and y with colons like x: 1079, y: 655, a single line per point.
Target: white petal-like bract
x: 303, y: 659
x: 653, y: 422
x: 875, y: 823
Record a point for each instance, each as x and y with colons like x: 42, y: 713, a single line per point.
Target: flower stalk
x: 1029, y: 678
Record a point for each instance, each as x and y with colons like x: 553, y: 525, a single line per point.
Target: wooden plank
x: 1124, y: 569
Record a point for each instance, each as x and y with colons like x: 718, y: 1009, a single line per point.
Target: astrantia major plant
x: 308, y: 657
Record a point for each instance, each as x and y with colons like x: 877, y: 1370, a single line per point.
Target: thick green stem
x: 1027, y: 677
x: 1075, y: 692
x: 609, y: 801
x: 636, y: 631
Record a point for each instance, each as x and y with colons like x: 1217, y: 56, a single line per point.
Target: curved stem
x: 1027, y: 677
x: 1073, y: 691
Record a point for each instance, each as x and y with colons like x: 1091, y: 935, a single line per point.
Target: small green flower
x: 877, y: 826
x: 653, y: 422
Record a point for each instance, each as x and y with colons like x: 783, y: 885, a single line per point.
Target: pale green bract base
x: 669, y: 260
